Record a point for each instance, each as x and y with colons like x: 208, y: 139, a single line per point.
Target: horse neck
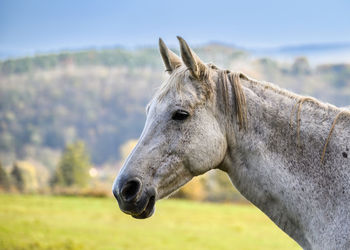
x: 279, y: 123
x: 270, y: 166
x: 288, y: 127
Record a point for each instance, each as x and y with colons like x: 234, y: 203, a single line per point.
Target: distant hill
x: 307, y: 48
x: 316, y: 53
x: 99, y: 96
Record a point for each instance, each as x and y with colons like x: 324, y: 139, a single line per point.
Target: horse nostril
x: 130, y: 190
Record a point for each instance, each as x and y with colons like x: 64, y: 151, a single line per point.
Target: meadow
x: 55, y: 222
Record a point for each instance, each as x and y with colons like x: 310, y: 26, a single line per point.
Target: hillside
x: 99, y: 96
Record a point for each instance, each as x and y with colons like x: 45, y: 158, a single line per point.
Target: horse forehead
x: 185, y: 95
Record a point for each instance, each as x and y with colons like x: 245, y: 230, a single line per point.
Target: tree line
x: 99, y: 96
x: 71, y: 171
x: 72, y: 176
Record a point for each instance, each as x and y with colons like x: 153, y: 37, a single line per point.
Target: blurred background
x: 75, y: 77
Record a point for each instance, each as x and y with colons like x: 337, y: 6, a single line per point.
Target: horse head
x: 182, y: 137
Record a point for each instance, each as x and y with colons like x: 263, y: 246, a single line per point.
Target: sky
x: 32, y: 26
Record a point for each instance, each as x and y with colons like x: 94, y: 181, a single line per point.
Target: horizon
x: 317, y: 54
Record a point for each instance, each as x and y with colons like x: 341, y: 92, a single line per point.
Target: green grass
x: 46, y: 222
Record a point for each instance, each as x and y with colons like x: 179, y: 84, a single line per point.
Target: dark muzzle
x: 133, y: 199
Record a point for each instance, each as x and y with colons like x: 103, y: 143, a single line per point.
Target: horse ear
x: 170, y: 59
x: 191, y: 60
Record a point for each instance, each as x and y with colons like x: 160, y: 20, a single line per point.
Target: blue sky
x: 28, y: 26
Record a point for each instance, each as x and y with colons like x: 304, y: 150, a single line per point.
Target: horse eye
x: 180, y: 115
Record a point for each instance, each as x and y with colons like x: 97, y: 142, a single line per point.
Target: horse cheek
x: 207, y: 149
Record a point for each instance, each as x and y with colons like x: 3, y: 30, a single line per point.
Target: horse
x: 287, y: 154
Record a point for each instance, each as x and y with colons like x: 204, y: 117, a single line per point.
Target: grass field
x: 46, y: 222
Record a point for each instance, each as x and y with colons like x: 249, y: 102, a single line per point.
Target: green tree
x: 18, y: 178
x: 4, y: 179
x: 73, y: 167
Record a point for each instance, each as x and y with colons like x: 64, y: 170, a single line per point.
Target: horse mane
x: 231, y: 79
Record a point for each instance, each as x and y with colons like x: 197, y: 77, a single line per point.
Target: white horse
x: 287, y: 154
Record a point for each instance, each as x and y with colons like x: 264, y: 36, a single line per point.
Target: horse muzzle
x: 133, y: 198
